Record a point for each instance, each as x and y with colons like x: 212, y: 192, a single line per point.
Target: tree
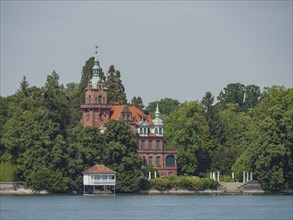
x: 252, y: 95
x: 56, y: 101
x: 116, y: 90
x: 24, y: 87
x: 239, y: 131
x: 166, y: 105
x: 84, y: 149
x: 233, y: 93
x: 270, y: 153
x: 216, y: 128
x: 119, y: 153
x: 186, y: 129
x: 136, y: 101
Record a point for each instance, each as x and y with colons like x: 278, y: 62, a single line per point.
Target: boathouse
x: 99, y: 179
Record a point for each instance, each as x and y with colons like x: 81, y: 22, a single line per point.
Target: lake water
x: 147, y: 207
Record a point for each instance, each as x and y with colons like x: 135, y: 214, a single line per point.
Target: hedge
x: 183, y: 182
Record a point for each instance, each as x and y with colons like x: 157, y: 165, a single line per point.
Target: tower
x: 158, y: 123
x: 95, y: 111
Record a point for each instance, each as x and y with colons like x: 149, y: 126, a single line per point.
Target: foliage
x: 136, y: 101
x: 186, y: 129
x: 182, y: 182
x: 270, y: 153
x: 166, y: 106
x: 245, y: 96
x: 116, y: 90
x: 239, y: 131
x: 119, y: 153
x: 7, y: 172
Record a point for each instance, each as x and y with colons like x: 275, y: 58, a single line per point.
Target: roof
x: 137, y: 113
x: 99, y: 169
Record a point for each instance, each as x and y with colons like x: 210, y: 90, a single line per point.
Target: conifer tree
x: 116, y: 90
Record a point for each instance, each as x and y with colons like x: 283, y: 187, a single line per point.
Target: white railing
x: 102, y: 181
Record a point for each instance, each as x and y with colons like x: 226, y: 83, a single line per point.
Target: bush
x: 186, y: 183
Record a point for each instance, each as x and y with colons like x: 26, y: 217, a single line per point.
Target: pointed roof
x: 99, y: 169
x: 96, y: 69
x: 157, y: 120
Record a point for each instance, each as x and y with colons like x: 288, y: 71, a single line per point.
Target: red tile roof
x: 99, y: 168
x: 137, y: 113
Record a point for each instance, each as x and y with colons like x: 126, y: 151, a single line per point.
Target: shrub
x: 182, y: 182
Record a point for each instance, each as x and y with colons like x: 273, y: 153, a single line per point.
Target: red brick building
x: 150, y: 139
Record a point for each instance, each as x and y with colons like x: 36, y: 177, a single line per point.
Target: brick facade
x: 150, y: 140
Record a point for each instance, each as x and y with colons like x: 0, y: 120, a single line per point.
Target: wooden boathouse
x: 99, y: 179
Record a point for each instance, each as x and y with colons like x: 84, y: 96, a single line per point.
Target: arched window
x: 160, y: 131
x: 170, y: 161
x: 156, y: 130
x: 90, y: 99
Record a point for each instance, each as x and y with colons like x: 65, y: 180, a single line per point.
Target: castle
x: 96, y: 111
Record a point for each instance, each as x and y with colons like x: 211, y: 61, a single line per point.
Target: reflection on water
x: 147, y: 207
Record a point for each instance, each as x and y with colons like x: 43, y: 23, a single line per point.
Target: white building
x: 99, y: 179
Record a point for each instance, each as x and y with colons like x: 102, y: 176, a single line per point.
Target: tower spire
x: 157, y: 113
x: 95, y: 70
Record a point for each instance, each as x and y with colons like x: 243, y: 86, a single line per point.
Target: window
x: 150, y: 161
x: 100, y: 99
x: 90, y: 99
x: 158, y: 144
x: 150, y: 144
x: 144, y: 161
x: 128, y: 117
x: 170, y: 161
x: 158, y: 161
x: 170, y: 174
x: 156, y: 130
x: 142, y: 144
x: 160, y: 131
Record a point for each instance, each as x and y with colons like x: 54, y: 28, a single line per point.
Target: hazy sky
x: 163, y: 49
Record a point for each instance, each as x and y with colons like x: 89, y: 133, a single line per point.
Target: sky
x: 174, y: 49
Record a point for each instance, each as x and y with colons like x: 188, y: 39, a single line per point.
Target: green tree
x: 56, y: 102
x: 186, y: 129
x: 119, y: 153
x: 240, y: 130
x: 270, y: 153
x: 252, y: 95
x: 136, y: 101
x: 116, y: 90
x: 84, y: 149
x: 166, y: 105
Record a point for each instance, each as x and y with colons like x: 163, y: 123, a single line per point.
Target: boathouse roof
x: 99, y: 169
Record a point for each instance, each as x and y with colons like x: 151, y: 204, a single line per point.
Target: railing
x: 102, y: 182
